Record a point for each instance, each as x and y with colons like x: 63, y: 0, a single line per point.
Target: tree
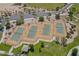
x: 24, y: 5
x: 20, y: 20
x: 41, y: 19
x: 17, y: 4
x: 57, y: 16
x: 31, y: 48
x: 65, y: 4
x: 7, y: 25
x: 57, y: 40
x: 68, y: 35
x: 71, y: 15
x: 63, y: 41
x: 1, y: 27
x: 42, y: 44
x: 73, y: 9
x: 40, y: 50
x: 29, y: 11
x: 71, y: 31
x: 57, y: 8
x: 74, y: 52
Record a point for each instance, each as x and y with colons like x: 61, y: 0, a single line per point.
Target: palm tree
x: 31, y: 48
x: 41, y: 19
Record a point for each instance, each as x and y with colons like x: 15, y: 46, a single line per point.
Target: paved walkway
x: 2, y: 52
x: 11, y: 49
x: 75, y: 17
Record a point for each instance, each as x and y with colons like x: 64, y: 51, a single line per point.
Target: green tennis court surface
x: 59, y: 28
x: 32, y: 32
x: 17, y: 34
x: 46, y: 29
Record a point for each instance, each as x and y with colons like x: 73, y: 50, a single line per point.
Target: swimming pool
x: 59, y: 28
x: 32, y: 32
x: 46, y: 29
x: 17, y: 34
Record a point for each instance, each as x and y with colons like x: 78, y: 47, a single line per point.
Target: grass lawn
x: 4, y: 47
x: 76, y: 6
x: 54, y: 49
x: 17, y: 50
x: 49, y: 6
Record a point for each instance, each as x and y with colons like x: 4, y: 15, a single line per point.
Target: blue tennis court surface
x: 59, y: 28
x: 17, y: 34
x: 32, y: 32
x: 46, y: 29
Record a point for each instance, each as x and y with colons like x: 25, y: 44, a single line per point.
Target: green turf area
x: 17, y: 50
x: 76, y: 6
x: 54, y: 49
x: 4, y: 47
x: 0, y: 35
x: 49, y: 6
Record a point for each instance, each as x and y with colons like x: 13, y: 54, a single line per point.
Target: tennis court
x: 59, y: 28
x: 32, y: 32
x: 17, y: 34
x: 46, y: 29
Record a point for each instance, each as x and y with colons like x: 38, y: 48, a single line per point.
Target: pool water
x: 17, y: 34
x: 32, y: 32
x: 46, y: 29
x: 59, y: 28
